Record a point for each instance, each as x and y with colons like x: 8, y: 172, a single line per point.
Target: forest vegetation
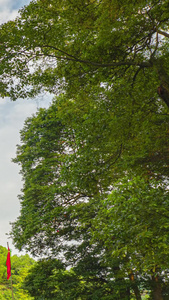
x: 95, y: 164
x: 20, y: 268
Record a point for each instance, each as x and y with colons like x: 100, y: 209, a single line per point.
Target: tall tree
x: 106, y: 62
x: 68, y: 173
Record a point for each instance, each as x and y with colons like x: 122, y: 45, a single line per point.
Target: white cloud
x: 7, y: 15
x: 9, y: 9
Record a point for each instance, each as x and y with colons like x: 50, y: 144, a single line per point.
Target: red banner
x: 8, y: 264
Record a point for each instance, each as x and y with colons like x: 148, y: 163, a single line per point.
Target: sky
x: 12, y: 117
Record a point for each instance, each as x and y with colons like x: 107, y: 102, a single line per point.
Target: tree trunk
x: 156, y: 291
x: 135, y: 287
x: 136, y: 292
x: 124, y: 291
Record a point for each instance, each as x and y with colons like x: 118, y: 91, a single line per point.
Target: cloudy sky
x: 12, y: 116
x: 9, y: 9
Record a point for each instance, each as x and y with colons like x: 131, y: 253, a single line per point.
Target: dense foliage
x: 95, y: 163
x: 20, y: 266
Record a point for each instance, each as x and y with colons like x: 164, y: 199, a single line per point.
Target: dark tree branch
x: 163, y: 33
x: 164, y: 94
x: 68, y: 56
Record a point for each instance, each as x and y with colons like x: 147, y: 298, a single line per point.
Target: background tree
x: 38, y: 281
x: 77, y: 283
x: 20, y: 266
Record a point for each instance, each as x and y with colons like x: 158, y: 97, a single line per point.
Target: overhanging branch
x: 68, y: 56
x: 163, y: 33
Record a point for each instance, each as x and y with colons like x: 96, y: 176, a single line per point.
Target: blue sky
x: 16, y: 4
x: 12, y: 116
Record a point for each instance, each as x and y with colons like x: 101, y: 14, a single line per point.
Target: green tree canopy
x: 95, y: 163
x: 48, y: 279
x: 76, y: 201
x: 77, y: 44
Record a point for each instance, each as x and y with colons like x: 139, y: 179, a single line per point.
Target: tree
x: 48, y: 279
x: 20, y: 267
x: 38, y: 281
x: 133, y: 223
x: 57, y: 206
x: 106, y: 64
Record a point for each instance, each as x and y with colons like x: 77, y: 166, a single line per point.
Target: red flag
x: 8, y: 264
